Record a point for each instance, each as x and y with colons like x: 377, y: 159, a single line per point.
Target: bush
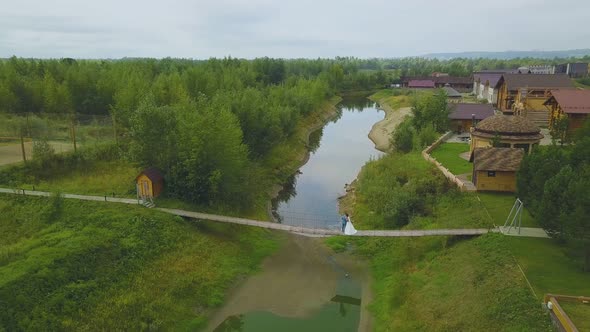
x: 402, y: 138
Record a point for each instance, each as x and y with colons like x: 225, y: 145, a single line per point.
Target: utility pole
x: 22, y: 146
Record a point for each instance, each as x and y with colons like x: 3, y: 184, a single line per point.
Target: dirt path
x: 382, y: 130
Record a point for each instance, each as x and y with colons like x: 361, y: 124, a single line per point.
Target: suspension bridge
x: 304, y: 229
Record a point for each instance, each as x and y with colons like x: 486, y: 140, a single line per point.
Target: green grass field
x: 498, y: 205
x: 448, y: 155
x: 578, y: 313
x: 74, y: 265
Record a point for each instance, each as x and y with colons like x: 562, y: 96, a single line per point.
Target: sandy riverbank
x: 381, y: 132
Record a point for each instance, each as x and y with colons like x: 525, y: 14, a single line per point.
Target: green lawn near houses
x: 448, y: 155
x: 498, y: 205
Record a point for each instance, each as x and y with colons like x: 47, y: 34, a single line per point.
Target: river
x: 305, y: 286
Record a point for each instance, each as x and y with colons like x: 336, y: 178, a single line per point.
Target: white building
x: 484, y: 83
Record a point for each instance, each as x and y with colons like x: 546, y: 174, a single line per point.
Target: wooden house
x: 150, y: 183
x: 510, y: 131
x: 461, y: 84
x: 421, y: 84
x: 464, y: 115
x: 525, y: 94
x: 575, y: 104
x: 494, y: 169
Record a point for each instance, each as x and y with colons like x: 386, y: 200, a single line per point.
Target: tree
x: 402, y: 137
x: 559, y: 128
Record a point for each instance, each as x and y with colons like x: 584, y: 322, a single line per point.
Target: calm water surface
x: 303, y: 287
x: 340, y: 149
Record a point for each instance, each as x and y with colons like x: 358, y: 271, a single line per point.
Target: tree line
x: 554, y: 182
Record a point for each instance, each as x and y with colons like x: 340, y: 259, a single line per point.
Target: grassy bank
x: 391, y: 99
x: 436, y: 283
x: 71, y: 265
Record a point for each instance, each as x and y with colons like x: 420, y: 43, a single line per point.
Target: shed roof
x: 452, y: 93
x: 497, y: 159
x: 465, y: 111
x: 152, y: 173
x: 572, y: 101
x: 516, y: 81
x: 421, y: 84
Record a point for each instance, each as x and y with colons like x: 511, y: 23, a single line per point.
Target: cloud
x: 304, y: 28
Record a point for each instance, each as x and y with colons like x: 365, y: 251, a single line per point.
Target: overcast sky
x: 289, y: 29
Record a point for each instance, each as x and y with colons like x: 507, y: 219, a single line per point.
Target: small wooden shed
x: 150, y: 182
x: 494, y: 169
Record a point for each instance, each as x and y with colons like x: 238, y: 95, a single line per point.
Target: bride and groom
x: 347, y: 226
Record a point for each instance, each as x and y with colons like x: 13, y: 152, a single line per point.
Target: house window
x: 491, y: 174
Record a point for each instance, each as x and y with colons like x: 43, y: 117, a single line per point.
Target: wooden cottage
x: 494, y: 169
x: 421, y: 84
x: 510, y: 131
x: 525, y: 94
x: 150, y: 183
x: 464, y: 115
x: 575, y: 104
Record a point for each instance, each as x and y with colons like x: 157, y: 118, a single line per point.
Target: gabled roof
x: 497, y: 159
x: 493, y: 78
x: 421, y: 84
x: 465, y: 111
x: 152, y: 173
x: 571, y: 101
x: 452, y: 93
x: 516, y: 81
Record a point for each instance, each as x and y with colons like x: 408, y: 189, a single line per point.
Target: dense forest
x: 207, y: 124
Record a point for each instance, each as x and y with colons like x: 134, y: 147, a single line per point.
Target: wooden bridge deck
x: 265, y: 224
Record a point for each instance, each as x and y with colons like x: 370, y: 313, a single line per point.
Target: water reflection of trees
x: 314, y: 140
x: 287, y: 192
x: 231, y: 324
x: 356, y: 104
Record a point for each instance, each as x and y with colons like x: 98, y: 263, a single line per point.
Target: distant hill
x: 511, y: 54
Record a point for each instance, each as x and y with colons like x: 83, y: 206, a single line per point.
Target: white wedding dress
x: 349, y: 229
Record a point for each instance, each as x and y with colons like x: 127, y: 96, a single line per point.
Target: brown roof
x: 507, y: 124
x: 465, y: 111
x: 421, y: 84
x: 440, y: 79
x: 152, y: 173
x: 492, y: 78
x: 572, y: 101
x: 497, y: 159
x: 516, y: 81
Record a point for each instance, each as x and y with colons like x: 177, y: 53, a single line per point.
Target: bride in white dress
x: 349, y: 229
